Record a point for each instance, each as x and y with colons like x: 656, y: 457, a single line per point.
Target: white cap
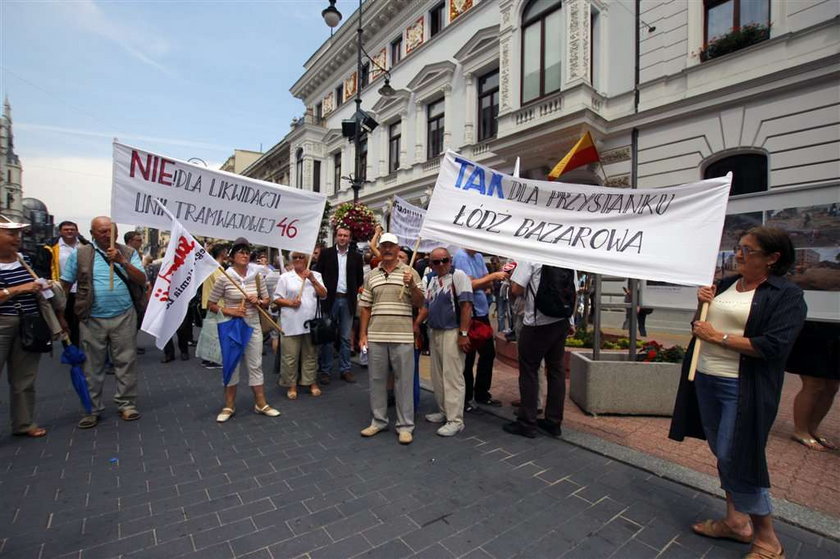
x: 6, y: 223
x: 389, y: 238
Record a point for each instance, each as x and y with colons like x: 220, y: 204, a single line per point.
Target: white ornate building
x: 672, y: 91
x: 11, y: 188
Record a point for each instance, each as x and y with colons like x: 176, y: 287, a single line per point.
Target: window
x: 319, y: 112
x: 394, y: 146
x: 299, y: 168
x: 436, y: 16
x: 396, y: 50
x: 339, y: 94
x: 434, y: 129
x: 336, y: 172
x: 488, y: 105
x: 749, y: 172
x: 723, y: 16
x: 316, y: 176
x: 542, y: 31
x: 365, y: 76
x: 363, y: 151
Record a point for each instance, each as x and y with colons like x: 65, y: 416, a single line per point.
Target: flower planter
x: 615, y: 385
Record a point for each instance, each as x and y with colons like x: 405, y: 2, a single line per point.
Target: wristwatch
x: 7, y: 293
x: 725, y: 340
x: 463, y: 333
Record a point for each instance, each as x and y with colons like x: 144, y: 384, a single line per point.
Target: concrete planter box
x: 618, y: 386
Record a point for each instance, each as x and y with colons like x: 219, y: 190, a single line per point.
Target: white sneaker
x: 450, y: 429
x: 437, y: 417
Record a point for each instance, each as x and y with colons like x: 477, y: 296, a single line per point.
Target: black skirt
x: 816, y: 352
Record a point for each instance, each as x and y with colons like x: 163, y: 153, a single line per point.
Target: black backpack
x: 555, y: 297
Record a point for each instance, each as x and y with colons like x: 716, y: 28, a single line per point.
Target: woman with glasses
x: 235, y: 305
x: 753, y: 320
x: 297, y: 295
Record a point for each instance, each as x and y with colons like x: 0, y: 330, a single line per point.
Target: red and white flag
x: 185, y: 266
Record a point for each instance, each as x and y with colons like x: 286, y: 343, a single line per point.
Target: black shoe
x: 470, y: 407
x: 516, y: 428
x: 167, y: 359
x: 185, y: 356
x: 324, y: 378
x: 141, y: 351
x: 550, y: 428
x: 488, y: 401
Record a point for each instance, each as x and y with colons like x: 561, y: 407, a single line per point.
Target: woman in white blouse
x: 296, y: 308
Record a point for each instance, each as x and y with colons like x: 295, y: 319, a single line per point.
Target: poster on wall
x: 459, y: 7
x: 414, y: 35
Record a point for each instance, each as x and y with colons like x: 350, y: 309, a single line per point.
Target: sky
x: 180, y: 78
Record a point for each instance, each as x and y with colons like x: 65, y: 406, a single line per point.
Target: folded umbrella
x: 74, y: 357
x: 234, y: 335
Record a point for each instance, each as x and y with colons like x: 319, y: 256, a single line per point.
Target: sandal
x: 34, y: 432
x: 130, y: 414
x: 826, y: 443
x: 718, y: 529
x: 759, y: 552
x: 225, y: 414
x: 291, y: 394
x: 314, y: 390
x: 266, y: 410
x: 809, y: 443
x: 88, y: 421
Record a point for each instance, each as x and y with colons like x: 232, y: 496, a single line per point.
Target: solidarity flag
x: 666, y: 234
x: 185, y: 266
x: 583, y: 153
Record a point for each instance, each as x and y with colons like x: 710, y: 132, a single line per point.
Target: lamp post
x: 361, y: 121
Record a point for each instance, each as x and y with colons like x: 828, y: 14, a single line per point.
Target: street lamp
x: 361, y: 122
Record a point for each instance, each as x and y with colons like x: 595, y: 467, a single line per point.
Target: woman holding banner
x: 237, y: 306
x: 753, y: 320
x: 297, y: 294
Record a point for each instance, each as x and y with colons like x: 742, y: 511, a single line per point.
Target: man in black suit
x: 341, y: 270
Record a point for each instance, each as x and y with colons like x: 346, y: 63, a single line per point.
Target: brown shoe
x: 348, y: 377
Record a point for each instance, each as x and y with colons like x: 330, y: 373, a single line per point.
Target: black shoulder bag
x: 322, y: 329
x: 33, y: 331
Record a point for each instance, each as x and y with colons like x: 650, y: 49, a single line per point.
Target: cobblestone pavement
x: 175, y: 484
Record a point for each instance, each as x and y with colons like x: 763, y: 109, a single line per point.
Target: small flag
x: 583, y: 153
x: 185, y: 266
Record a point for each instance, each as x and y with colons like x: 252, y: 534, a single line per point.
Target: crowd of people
x: 390, y: 308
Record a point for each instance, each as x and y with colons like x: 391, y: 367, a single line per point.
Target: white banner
x: 212, y: 203
x: 185, y: 266
x: 406, y: 220
x: 664, y: 234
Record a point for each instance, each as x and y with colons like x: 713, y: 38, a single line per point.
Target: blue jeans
x: 718, y: 401
x: 501, y: 313
x: 340, y: 313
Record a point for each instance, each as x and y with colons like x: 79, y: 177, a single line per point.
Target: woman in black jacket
x: 753, y: 321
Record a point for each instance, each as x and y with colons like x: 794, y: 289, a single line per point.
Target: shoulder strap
x: 116, y: 268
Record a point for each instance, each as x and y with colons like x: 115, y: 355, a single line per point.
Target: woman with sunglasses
x: 237, y: 306
x: 296, y: 308
x: 753, y: 320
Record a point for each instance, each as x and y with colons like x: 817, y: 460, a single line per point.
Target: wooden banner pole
x: 692, y: 368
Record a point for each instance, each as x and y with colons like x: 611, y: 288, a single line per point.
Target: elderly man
x: 390, y: 291
x: 106, y: 315
x: 448, y: 338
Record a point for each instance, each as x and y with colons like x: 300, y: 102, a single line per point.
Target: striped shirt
x: 12, y: 274
x: 225, y: 291
x: 390, y: 316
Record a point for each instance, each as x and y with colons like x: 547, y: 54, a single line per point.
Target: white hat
x: 6, y: 223
x: 389, y: 238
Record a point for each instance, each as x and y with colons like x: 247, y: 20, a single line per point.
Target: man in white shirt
x: 546, y: 323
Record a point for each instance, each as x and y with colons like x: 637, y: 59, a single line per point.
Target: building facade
x: 672, y: 92
x: 11, y: 180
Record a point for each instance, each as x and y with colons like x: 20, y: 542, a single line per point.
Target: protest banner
x: 406, y: 220
x: 185, y: 266
x: 212, y: 203
x: 665, y: 234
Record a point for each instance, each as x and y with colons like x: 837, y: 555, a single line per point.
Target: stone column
x: 403, y: 138
x: 447, y: 116
x: 577, y: 43
x: 420, y: 139
x: 471, y: 109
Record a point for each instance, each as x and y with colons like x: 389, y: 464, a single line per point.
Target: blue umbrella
x: 74, y: 357
x: 234, y: 335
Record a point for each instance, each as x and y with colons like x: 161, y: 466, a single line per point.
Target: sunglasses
x: 440, y: 261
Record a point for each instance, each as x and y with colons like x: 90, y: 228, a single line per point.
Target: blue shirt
x: 474, y: 267
x: 439, y: 299
x: 106, y: 303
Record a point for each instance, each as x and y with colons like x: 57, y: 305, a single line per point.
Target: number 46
x: 288, y: 229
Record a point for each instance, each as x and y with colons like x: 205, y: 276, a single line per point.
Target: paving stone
x: 120, y: 547
x: 223, y: 533
x: 315, y: 520
x: 390, y: 529
x: 260, y: 539
x: 305, y: 543
x: 394, y: 549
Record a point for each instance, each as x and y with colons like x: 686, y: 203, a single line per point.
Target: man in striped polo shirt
x: 389, y: 293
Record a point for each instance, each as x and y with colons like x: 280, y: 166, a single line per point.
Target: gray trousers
x: 401, y: 358
x: 121, y: 333
x: 22, y: 367
x: 447, y: 371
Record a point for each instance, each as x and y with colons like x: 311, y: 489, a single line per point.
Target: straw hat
x: 6, y: 223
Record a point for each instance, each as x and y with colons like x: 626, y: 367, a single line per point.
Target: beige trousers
x: 120, y: 332
x: 22, y: 368
x: 298, y: 352
x: 447, y: 371
x: 251, y: 362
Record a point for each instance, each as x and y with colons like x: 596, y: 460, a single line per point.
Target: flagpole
x: 603, y: 171
x: 411, y: 263
x: 64, y: 337
x: 245, y: 296
x: 303, y: 283
x: 111, y: 265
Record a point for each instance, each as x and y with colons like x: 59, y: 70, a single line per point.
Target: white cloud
x: 142, y: 44
x: 119, y: 135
